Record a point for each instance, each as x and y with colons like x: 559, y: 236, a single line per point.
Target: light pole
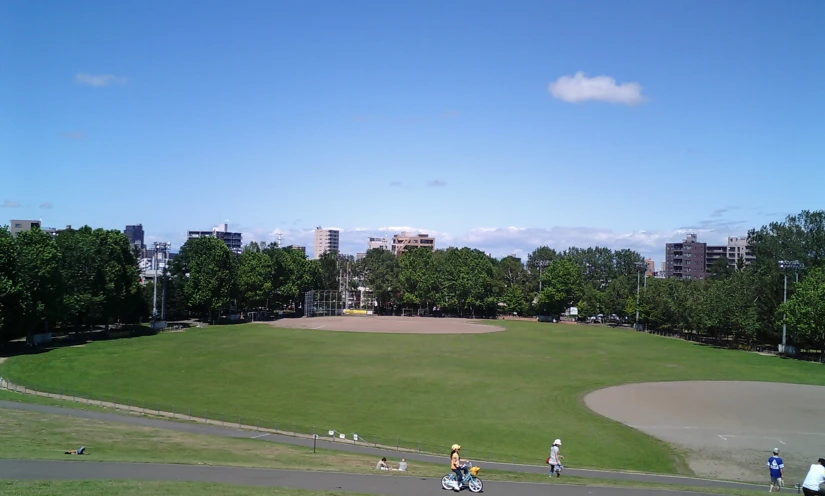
x: 160, y: 247
x: 541, y: 264
x: 639, y: 267
x: 785, y: 265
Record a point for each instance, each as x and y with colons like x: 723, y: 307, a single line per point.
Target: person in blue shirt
x: 777, y: 469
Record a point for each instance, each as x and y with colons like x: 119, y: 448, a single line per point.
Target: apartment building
x: 401, y: 242
x: 735, y: 249
x: 17, y: 226
x: 650, y: 271
x: 379, y: 243
x: 326, y: 240
x: 686, y: 260
x: 234, y: 240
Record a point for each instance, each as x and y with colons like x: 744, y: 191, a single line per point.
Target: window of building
x: 18, y: 225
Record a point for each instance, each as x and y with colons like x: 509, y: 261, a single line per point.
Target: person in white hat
x: 777, y: 469
x: 555, y: 458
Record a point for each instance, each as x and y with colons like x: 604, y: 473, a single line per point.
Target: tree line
x: 84, y: 277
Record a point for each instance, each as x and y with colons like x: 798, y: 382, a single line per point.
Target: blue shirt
x: 776, y: 464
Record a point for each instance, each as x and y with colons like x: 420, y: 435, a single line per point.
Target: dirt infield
x: 390, y: 325
x: 727, y: 428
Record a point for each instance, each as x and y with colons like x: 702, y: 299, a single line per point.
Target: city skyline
x: 494, y: 242
x: 497, y: 126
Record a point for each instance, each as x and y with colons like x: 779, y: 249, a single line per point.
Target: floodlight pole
x: 639, y: 267
x: 541, y: 264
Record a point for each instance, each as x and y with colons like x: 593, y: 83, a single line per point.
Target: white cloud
x: 436, y: 183
x: 99, y: 80
x: 10, y: 204
x: 580, y: 88
x: 46, y: 205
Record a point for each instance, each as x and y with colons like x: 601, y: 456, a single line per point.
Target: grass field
x: 148, y: 488
x: 38, y: 436
x: 509, y: 393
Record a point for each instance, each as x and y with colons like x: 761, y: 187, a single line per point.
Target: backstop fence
x: 333, y: 303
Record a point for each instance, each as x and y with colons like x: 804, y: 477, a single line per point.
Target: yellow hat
x: 456, y: 447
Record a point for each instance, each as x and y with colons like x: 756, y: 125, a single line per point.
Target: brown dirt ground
x: 727, y: 428
x: 391, y: 325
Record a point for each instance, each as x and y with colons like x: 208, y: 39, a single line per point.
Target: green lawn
x: 507, y: 393
x: 148, y: 488
x: 38, y: 436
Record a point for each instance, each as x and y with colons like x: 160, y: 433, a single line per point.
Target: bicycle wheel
x: 476, y: 485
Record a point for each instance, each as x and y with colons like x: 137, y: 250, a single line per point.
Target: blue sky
x: 498, y: 125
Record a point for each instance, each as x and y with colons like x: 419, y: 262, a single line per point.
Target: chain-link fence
x: 237, y: 420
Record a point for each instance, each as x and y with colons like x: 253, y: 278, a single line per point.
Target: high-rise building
x: 686, y: 260
x: 651, y: 268
x: 401, y: 242
x: 135, y: 235
x: 379, y: 243
x: 735, y: 249
x: 326, y: 240
x: 232, y: 239
x: 302, y: 249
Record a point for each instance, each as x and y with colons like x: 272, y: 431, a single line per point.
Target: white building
x: 326, y: 240
x: 380, y: 243
x: 234, y: 240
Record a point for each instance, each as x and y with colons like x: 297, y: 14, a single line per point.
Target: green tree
x: 805, y: 311
x: 380, y: 271
x: 720, y: 269
x: 39, y: 262
x: 255, y: 278
x: 82, y: 275
x: 417, y: 276
x: 11, y: 290
x: 210, y: 271
x: 562, y: 286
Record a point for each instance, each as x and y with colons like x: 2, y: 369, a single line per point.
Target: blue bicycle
x: 470, y: 481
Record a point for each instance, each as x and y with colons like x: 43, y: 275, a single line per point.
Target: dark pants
x: 811, y: 492
x: 459, y: 474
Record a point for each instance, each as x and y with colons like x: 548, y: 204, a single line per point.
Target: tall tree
x: 39, y: 261
x: 417, y: 276
x: 380, y: 270
x: 805, y: 311
x: 562, y: 285
x: 210, y: 267
x: 10, y: 288
x: 255, y: 278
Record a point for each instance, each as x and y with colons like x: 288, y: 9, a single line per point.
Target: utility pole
x: 785, y: 265
x: 541, y: 264
x: 161, y: 247
x: 639, y: 267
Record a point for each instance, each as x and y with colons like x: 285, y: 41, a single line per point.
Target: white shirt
x: 815, y: 477
x: 554, y: 455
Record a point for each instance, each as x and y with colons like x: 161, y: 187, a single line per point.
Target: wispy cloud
x: 73, y: 135
x: 10, y: 204
x: 503, y: 241
x: 396, y: 184
x: 99, y: 80
x: 436, y: 183
x: 580, y: 88
x: 46, y: 205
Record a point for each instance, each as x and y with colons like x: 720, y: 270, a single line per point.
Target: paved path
x: 196, y: 428
x: 318, y: 481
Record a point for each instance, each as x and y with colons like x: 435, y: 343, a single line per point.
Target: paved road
x: 320, y: 481
x: 196, y: 428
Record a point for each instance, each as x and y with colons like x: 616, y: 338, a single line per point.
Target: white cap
x: 557, y: 442
x: 776, y: 450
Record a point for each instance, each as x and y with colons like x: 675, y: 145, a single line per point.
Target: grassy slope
x: 45, y: 437
x: 510, y: 393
